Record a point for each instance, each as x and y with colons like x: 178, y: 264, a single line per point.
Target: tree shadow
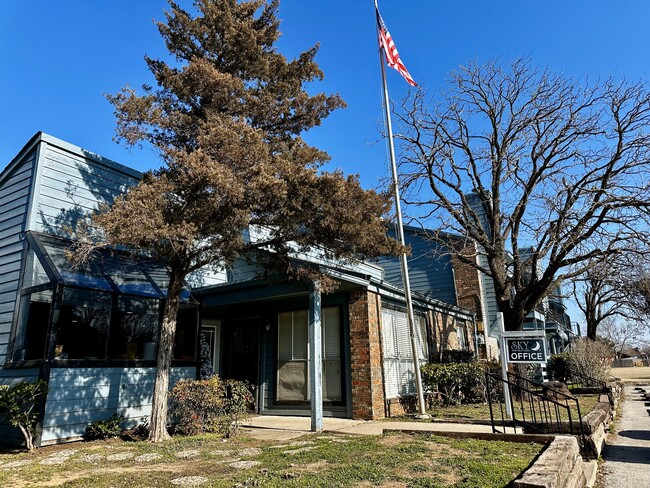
x: 642, y: 435
x: 626, y: 454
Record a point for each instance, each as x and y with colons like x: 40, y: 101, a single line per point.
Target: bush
x: 205, y: 358
x: 456, y: 382
x: 18, y: 405
x: 591, y: 358
x: 559, y: 366
x: 104, y: 429
x: 209, y: 405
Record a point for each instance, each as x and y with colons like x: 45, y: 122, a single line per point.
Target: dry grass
x: 640, y: 373
x: 394, y: 461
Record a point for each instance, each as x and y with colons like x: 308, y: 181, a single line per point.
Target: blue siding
x: 71, y: 185
x: 430, y: 269
x: 489, y: 295
x: 78, y: 396
x: 14, y: 198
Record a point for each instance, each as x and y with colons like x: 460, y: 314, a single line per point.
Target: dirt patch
x: 390, y: 484
x: 58, y: 479
x: 316, y: 467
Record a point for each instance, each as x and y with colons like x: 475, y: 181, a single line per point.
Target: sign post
x: 519, y: 347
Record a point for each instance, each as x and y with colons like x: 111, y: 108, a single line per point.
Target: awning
x: 108, y: 270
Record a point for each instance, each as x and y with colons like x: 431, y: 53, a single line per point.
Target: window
x: 135, y: 329
x: 462, y: 337
x: 292, y: 384
x: 211, y: 338
x: 105, y: 309
x: 293, y: 361
x: 399, y: 374
x: 35, y: 316
x: 84, y: 322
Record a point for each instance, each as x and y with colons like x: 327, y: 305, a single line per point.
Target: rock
x: 559, y: 466
x: 145, y: 458
x: 120, y: 456
x: 188, y: 454
x: 244, y: 464
x: 16, y: 464
x: 189, y: 481
x: 299, y: 450
x: 91, y: 458
x: 550, y: 389
x: 250, y: 451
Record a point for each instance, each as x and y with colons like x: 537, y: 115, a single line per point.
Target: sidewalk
x: 627, y: 454
x: 285, y: 428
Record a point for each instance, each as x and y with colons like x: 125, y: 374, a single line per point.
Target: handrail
x: 583, y: 379
x: 533, y: 409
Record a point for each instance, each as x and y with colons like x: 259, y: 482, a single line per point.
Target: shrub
x: 209, y: 405
x: 559, y: 366
x: 591, y: 358
x: 139, y: 432
x: 456, y: 382
x: 18, y: 405
x: 205, y: 370
x: 104, y: 429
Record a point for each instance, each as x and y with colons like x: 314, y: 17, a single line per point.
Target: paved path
x: 280, y: 428
x: 627, y: 454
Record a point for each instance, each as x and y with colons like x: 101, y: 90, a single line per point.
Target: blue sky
x: 60, y: 57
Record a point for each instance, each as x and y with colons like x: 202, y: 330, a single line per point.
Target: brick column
x: 365, y: 356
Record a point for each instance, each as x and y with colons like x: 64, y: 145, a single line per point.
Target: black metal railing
x: 536, y: 408
x: 575, y: 380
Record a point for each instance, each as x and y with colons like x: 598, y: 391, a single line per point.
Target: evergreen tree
x: 227, y: 119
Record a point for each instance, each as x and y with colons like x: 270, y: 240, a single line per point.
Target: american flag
x: 392, y: 56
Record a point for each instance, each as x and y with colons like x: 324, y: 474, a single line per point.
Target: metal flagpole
x: 402, y: 241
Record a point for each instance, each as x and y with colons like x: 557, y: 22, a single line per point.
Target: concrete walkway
x: 282, y: 428
x: 627, y: 454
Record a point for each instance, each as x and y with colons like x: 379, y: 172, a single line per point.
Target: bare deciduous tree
x: 616, y: 287
x: 621, y: 334
x: 545, y: 174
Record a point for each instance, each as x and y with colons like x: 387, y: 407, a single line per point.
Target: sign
x: 526, y: 349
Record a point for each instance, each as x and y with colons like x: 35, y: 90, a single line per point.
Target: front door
x: 241, y: 340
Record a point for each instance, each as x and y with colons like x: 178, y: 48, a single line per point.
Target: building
x: 91, y: 332
x: 435, y: 271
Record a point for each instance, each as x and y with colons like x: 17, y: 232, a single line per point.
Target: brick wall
x: 365, y: 356
x: 468, y: 290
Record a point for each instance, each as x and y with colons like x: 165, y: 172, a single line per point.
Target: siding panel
x: 79, y: 396
x: 430, y: 269
x: 72, y: 186
x: 14, y: 200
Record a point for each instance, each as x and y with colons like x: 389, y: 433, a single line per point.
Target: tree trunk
x: 591, y: 329
x: 513, y: 317
x: 29, y: 442
x: 158, y: 423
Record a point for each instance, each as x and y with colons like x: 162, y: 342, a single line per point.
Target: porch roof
x: 278, y: 286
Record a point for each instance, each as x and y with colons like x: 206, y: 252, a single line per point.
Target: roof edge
x: 85, y: 153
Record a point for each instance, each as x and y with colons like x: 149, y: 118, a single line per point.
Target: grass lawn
x: 482, y: 411
x: 312, y: 461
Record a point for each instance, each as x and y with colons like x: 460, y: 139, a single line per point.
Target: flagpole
x: 402, y: 241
